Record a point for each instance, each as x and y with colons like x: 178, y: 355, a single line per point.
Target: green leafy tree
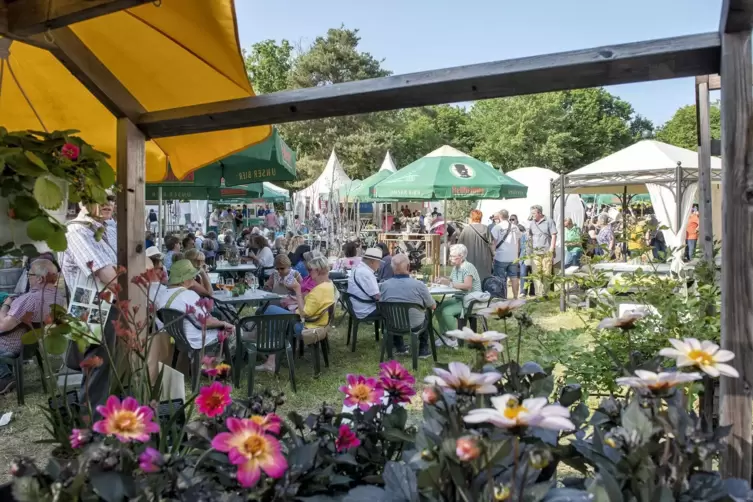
x: 681, y: 129
x: 268, y: 65
x: 558, y: 130
x: 427, y: 128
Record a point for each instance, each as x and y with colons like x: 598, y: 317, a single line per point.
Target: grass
x: 27, y: 426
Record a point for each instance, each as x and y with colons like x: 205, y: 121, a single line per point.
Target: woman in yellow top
x: 315, y: 304
x: 638, y: 238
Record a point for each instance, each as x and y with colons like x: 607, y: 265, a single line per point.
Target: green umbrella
x: 192, y: 192
x: 363, y: 191
x: 270, y: 160
x: 447, y: 173
x: 273, y: 193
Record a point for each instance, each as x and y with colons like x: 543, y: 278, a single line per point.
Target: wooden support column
x: 131, y: 207
x: 563, y: 249
x: 737, y: 248
x: 704, y: 166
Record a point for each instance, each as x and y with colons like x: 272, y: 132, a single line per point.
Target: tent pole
x: 563, y: 292
x: 678, y: 199
x: 159, y: 217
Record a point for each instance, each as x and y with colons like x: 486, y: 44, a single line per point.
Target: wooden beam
x: 619, y: 64
x: 131, y: 208
x: 29, y: 17
x: 737, y: 15
x: 94, y: 75
x: 737, y: 248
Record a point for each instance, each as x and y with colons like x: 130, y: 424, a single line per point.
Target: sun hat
x: 373, y: 254
x: 182, y: 270
x: 153, y: 251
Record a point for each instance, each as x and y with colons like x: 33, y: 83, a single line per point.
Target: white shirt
x: 323, y: 222
x: 368, y: 281
x: 507, y: 252
x: 179, y: 303
x: 213, y: 219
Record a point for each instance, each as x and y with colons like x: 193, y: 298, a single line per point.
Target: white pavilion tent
x: 310, y: 200
x: 669, y: 174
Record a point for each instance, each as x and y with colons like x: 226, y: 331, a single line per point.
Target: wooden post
x: 131, y: 206
x: 704, y: 167
x: 737, y: 246
x: 563, y: 292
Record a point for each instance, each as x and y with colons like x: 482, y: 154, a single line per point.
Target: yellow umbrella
x: 180, y: 53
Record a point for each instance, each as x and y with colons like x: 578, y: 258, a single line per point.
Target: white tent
x: 388, y: 164
x: 538, y: 180
x: 668, y: 173
x: 332, y: 179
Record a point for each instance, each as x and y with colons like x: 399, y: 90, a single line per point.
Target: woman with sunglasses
x: 282, y: 279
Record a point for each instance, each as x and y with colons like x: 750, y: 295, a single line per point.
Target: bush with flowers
x: 492, y: 430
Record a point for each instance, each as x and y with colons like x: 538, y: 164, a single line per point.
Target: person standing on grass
x: 477, y: 238
x: 573, y: 244
x: 542, y: 234
x: 506, y: 237
x: 404, y: 289
x: 691, y: 233
x: 17, y: 314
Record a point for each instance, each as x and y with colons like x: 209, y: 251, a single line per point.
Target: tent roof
x: 646, y: 155
x: 388, y: 164
x: 332, y: 178
x: 647, y: 161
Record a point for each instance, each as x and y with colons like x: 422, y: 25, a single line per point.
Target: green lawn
x: 27, y: 426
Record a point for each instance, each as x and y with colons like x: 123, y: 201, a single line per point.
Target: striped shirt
x: 84, y: 248
x: 31, y: 307
x: 465, y: 269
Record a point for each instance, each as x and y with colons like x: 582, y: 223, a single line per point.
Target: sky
x: 417, y: 35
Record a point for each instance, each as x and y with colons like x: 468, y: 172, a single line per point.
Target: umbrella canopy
x: 363, y: 191
x: 270, y: 160
x: 183, y: 192
x: 179, y: 53
x: 448, y: 173
x: 273, y: 193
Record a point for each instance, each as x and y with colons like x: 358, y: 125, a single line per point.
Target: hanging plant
x: 37, y: 168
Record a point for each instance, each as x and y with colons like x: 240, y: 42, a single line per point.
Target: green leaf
x: 31, y: 337
x: 106, y: 174
x: 29, y: 250
x: 26, y: 207
x: 397, y: 436
x: 74, y: 195
x: 55, y: 344
x: 48, y: 193
x: 98, y: 194
x: 35, y: 159
x: 40, y: 228
x: 113, y: 486
x: 635, y: 420
x: 57, y: 241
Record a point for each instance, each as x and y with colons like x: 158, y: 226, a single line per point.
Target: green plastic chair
x: 273, y: 335
x: 396, y: 318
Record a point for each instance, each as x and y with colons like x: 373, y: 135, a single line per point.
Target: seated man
x: 363, y: 288
x: 17, y: 314
x: 404, y: 289
x: 178, y: 296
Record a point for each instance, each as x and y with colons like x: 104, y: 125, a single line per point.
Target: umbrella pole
x: 159, y: 217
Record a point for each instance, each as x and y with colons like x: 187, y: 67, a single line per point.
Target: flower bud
x: 491, y: 356
x: 539, y: 458
x: 467, y: 449
x: 427, y: 455
x: 429, y: 395
x: 501, y: 492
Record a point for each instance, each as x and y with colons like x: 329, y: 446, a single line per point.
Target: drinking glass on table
x: 250, y: 278
x: 221, y: 283
x: 229, y: 283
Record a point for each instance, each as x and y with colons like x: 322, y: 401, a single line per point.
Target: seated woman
x: 263, y: 258
x: 282, y: 279
x: 178, y: 296
x: 298, y: 261
x: 351, y: 259
x: 313, y: 309
x: 202, y: 285
x: 464, y: 277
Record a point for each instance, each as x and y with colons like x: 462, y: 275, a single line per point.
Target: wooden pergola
x: 726, y: 52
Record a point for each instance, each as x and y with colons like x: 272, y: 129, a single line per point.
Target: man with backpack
x: 507, y: 244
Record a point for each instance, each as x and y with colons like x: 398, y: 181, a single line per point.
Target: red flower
x: 399, y: 392
x: 70, y: 151
x: 207, y: 304
x: 79, y: 437
x: 91, y: 362
x: 213, y: 399
x: 395, y: 371
x: 270, y: 423
x: 346, y: 439
x: 429, y: 395
x: 362, y: 392
x: 466, y: 448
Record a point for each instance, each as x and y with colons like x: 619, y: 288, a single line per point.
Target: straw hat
x: 181, y: 270
x: 373, y: 254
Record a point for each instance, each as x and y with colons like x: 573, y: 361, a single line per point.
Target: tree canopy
x: 681, y: 129
x: 560, y: 130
